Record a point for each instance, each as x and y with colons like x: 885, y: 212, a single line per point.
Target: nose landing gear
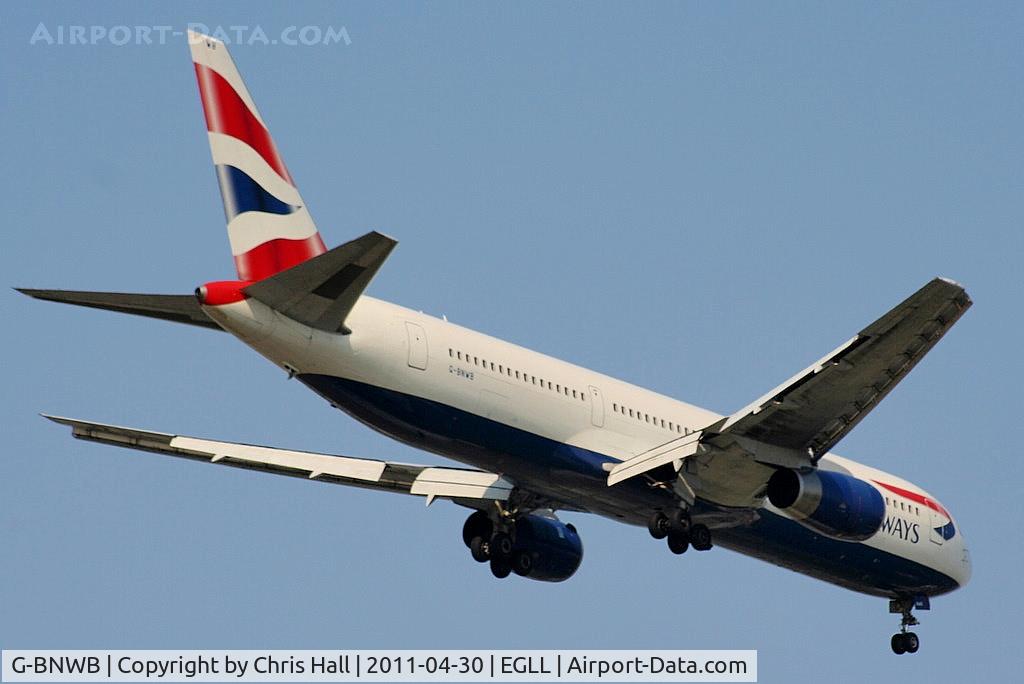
x: 905, y: 641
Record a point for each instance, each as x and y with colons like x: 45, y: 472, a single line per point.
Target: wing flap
x: 452, y: 483
x: 459, y: 484
x: 677, y: 449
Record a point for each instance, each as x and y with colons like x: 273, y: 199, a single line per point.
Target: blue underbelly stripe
x: 576, y: 475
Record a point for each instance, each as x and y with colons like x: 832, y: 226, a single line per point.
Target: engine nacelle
x: 836, y: 505
x: 546, y: 549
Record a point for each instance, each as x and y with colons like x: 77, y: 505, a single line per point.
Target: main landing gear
x: 905, y: 641
x: 488, y: 545
x: 679, y: 530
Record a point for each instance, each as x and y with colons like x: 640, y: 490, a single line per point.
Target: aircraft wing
x: 465, y: 485
x: 817, y: 407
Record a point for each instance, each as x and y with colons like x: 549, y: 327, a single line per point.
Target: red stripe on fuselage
x: 226, y: 113
x: 914, y: 496
x: 277, y: 255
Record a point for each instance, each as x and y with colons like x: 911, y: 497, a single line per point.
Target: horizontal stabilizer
x: 178, y: 308
x: 463, y: 484
x: 322, y: 291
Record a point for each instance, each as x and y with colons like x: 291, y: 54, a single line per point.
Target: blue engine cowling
x: 836, y: 505
x: 553, y: 549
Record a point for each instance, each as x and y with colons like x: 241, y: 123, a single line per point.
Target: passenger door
x: 596, y: 407
x: 417, y: 345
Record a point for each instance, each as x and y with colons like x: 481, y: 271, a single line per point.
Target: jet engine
x: 545, y: 549
x: 835, y: 504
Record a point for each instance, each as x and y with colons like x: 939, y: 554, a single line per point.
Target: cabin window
x: 451, y: 353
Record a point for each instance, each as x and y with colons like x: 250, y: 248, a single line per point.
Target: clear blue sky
x: 698, y: 198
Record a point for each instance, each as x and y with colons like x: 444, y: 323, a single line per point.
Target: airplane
x: 540, y: 435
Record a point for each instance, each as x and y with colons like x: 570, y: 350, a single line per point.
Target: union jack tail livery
x: 269, y: 227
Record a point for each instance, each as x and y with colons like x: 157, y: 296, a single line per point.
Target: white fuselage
x: 554, y: 428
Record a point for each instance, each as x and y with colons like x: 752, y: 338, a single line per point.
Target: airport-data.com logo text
x: 123, y: 34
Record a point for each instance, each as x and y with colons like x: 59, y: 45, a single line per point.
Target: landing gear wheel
x: 678, y: 543
x: 905, y: 642
x: 700, y: 537
x: 480, y: 550
x: 500, y: 568
x: 679, y: 522
x: 477, y: 525
x: 501, y: 545
x: 658, y: 525
x: 522, y: 563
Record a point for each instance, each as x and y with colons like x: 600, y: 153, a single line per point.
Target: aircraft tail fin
x: 269, y: 227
